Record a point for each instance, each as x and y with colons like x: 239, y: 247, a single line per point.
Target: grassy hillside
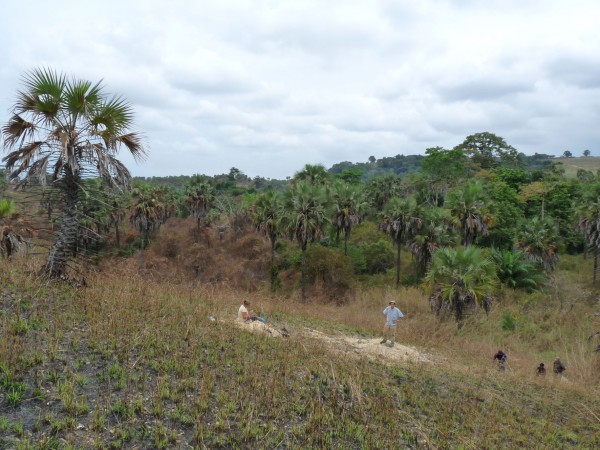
x: 130, y: 362
x: 572, y: 165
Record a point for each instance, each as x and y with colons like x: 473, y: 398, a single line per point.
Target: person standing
x: 392, y: 316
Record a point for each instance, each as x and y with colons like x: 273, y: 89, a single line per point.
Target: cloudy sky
x: 268, y: 86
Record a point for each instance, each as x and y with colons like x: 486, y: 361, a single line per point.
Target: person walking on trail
x: 392, y: 316
x: 502, y: 358
x: 558, y: 367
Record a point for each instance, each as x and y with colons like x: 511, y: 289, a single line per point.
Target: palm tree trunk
x: 62, y: 249
x: 302, y: 289
x: 273, y: 243
x: 142, y: 265
x: 346, y: 236
x: 595, y: 266
x: 458, y: 311
x: 117, y: 235
x: 543, y: 200
x: 398, y: 265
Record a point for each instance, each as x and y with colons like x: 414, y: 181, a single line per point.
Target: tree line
x: 474, y: 218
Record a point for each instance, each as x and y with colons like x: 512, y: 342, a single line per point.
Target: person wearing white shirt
x: 392, y: 316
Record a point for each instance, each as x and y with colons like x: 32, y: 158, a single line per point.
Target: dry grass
x: 572, y: 165
x: 133, y: 360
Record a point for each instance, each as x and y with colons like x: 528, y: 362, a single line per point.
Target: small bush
x: 508, y: 323
x: 379, y: 257
x: 328, y: 267
x: 357, y: 257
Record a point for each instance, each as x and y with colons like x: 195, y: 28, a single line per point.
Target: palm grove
x: 473, y: 219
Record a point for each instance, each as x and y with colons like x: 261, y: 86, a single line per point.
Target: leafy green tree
x: 468, y: 206
x: 460, y: 278
x: 305, y: 218
x: 586, y: 176
x: 350, y: 206
x: 149, y: 210
x: 67, y: 128
x: 586, y: 153
x: 567, y: 154
x: 402, y: 219
x: 506, y: 208
x: 435, y: 233
x: 514, y: 178
x: 488, y: 150
x: 444, y: 168
x: 560, y: 205
x: 537, y: 238
x: 351, y: 175
x: 514, y: 271
x: 536, y: 192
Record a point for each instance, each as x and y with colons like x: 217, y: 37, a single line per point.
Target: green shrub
x: 357, y: 257
x: 379, y: 257
x: 508, y: 323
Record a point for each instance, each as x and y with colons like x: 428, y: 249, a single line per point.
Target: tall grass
x: 136, y: 362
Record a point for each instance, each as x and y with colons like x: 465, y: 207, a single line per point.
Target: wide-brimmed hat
x: 392, y: 301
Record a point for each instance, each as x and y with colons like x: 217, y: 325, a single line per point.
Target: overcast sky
x: 269, y: 86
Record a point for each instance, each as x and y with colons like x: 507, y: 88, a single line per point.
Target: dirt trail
x: 351, y: 345
x: 370, y: 347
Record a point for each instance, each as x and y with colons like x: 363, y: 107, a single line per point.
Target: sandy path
x: 353, y: 346
x: 370, y: 348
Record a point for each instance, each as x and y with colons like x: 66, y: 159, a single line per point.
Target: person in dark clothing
x: 541, y: 370
x: 501, y: 357
x: 558, y: 367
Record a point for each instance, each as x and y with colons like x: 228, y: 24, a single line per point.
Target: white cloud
x: 270, y: 85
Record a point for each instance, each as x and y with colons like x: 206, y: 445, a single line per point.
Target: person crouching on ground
x: 392, y: 316
x: 244, y: 314
x: 502, y: 358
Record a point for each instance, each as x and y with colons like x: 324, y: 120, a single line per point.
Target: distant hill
x: 572, y: 165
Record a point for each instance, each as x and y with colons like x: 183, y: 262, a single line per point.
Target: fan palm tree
x: 459, y: 278
x: 149, y: 210
x: 305, y: 218
x: 468, y: 206
x: 94, y: 214
x: 589, y: 224
x: 435, y: 233
x: 402, y: 218
x: 381, y: 189
x: 11, y: 242
x: 537, y: 238
x: 515, y: 271
x: 268, y: 210
x: 199, y: 198
x: 67, y: 128
x: 350, y: 205
x: 316, y: 175
x: 116, y: 213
